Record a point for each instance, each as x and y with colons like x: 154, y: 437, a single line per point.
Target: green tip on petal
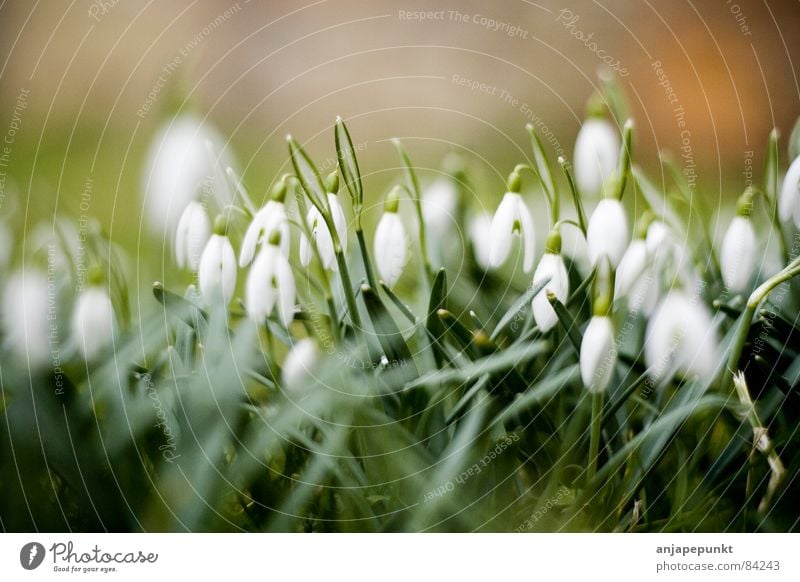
x: 552, y: 243
x: 601, y: 306
x: 332, y: 182
x: 275, y: 238
x: 279, y: 190
x: 221, y: 225
x: 392, y: 202
x: 744, y: 205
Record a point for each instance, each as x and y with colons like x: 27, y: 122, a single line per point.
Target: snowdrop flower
x: 25, y: 316
x: 93, y: 320
x: 631, y: 267
x: 596, y: 155
x: 681, y: 337
x: 607, y: 233
x: 267, y: 221
x: 573, y: 245
x: 191, y: 236
x: 598, y: 352
x: 179, y: 169
x: 439, y: 204
x: 550, y: 267
x: 512, y: 218
x: 739, y: 247
x: 789, y: 203
x: 391, y: 245
x: 299, y: 365
x: 270, y: 284
x: 217, y: 272
x: 480, y: 233
x: 322, y: 236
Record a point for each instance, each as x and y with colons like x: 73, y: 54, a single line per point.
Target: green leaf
x: 348, y: 163
x: 521, y: 302
x: 180, y: 307
x: 794, y: 141
x: 543, y: 168
x: 771, y: 169
x: 308, y: 175
x: 389, y: 335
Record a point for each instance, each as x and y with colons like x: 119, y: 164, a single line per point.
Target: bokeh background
x: 99, y: 77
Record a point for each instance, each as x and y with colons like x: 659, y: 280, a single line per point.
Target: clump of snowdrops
x: 326, y: 373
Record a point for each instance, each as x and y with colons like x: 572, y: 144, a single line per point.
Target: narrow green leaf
x: 308, y: 175
x: 794, y: 141
x: 389, y: 335
x: 348, y: 163
x: 517, y: 306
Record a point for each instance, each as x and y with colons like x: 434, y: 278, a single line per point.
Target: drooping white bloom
x: 574, y: 246
x: 180, y: 168
x: 596, y: 155
x: 681, y: 338
x: 322, y: 236
x: 93, y: 321
x: 607, y: 233
x: 270, y: 219
x: 217, y: 272
x: 738, y: 254
x: 598, y: 354
x: 270, y: 283
x: 789, y: 202
x: 480, y: 233
x: 512, y: 218
x: 638, y: 278
x: 439, y: 205
x: 191, y: 236
x: 25, y: 316
x: 299, y: 365
x: 390, y: 247
x: 551, y: 266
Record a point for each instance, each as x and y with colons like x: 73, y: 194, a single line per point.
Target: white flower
x: 738, y: 254
x: 391, y: 247
x: 512, y: 218
x: 789, y: 203
x: 574, y: 246
x: 638, y: 278
x: 270, y: 283
x: 191, y: 236
x: 607, y: 233
x: 298, y: 367
x: 217, y: 272
x: 270, y: 219
x: 439, y: 205
x: 596, y: 155
x: 598, y: 354
x: 681, y: 338
x: 480, y: 233
x: 180, y: 168
x: 26, y: 309
x: 322, y: 236
x: 551, y: 266
x: 93, y: 321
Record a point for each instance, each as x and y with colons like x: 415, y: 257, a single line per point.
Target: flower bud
x: 598, y: 354
x: 191, y: 236
x: 321, y: 236
x: 512, y: 218
x: 552, y: 267
x: 738, y: 254
x: 217, y: 272
x: 298, y: 367
x: 596, y: 155
x: 93, y: 322
x: 480, y: 234
x: 270, y: 219
x: 390, y: 243
x: 270, y: 283
x: 607, y: 234
x: 789, y: 202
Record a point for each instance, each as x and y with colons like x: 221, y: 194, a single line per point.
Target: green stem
x: 594, y: 438
x: 347, y: 286
x: 576, y: 199
x: 746, y: 319
x: 362, y: 245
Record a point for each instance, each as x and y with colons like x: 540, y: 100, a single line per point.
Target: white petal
x: 480, y: 233
x: 286, y: 290
x: 630, y: 268
x: 502, y: 229
x: 298, y: 367
x: 573, y: 245
x: 217, y: 273
x: 789, y: 202
x: 191, y: 235
x: 305, y: 251
x: 528, y: 235
x: 439, y: 205
x: 738, y: 254
x: 607, y: 233
x: 598, y: 354
x: 92, y: 321
x: 596, y: 155
x: 260, y: 295
x: 551, y: 266
x: 26, y: 309
x: 391, y: 248
x: 270, y: 218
